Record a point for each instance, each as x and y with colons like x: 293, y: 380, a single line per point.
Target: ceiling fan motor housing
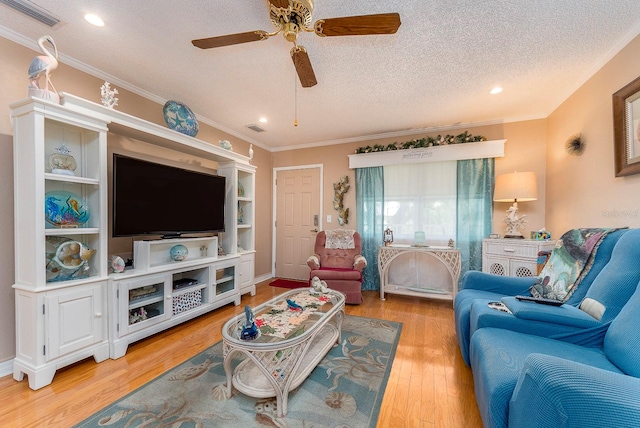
x: 299, y: 13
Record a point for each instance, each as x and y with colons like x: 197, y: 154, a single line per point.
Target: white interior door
x: 298, y: 220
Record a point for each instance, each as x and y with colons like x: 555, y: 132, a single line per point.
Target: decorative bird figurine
x: 43, y: 64
x: 250, y: 151
x: 293, y: 305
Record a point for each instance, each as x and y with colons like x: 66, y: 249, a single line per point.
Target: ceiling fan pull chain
x: 295, y: 101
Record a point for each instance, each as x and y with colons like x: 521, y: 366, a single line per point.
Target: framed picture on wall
x: 626, y: 129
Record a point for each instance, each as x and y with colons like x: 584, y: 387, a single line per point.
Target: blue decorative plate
x: 180, y: 118
x: 65, y: 209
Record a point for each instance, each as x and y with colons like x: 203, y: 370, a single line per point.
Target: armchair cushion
x: 338, y: 262
x: 313, y: 262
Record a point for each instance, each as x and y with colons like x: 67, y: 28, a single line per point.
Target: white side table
x: 513, y: 257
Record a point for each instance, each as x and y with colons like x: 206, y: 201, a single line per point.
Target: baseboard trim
x: 6, y: 368
x: 259, y: 279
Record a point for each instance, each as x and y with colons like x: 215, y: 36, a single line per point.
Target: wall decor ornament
x: 575, y: 145
x: 340, y: 188
x: 65, y: 209
x: 180, y: 118
x: 440, y: 140
x: 626, y: 129
x: 108, y: 95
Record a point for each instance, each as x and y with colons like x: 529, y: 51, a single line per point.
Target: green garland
x: 465, y: 137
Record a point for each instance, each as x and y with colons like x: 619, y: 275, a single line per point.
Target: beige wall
x: 583, y: 190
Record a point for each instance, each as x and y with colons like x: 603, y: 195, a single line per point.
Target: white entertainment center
x: 69, y: 306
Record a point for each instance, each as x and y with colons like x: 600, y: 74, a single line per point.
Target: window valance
x: 478, y: 150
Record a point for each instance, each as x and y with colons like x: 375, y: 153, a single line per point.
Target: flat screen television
x: 154, y: 199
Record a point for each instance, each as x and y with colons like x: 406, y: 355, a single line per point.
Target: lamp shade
x: 516, y: 187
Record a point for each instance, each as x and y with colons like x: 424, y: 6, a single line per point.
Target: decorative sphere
x: 178, y: 253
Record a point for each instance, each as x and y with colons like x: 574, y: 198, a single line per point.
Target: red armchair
x: 338, y: 262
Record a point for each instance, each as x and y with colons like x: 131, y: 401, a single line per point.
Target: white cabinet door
x: 143, y: 302
x: 76, y: 319
x: 246, y: 274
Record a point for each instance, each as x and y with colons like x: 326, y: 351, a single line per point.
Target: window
x: 421, y: 198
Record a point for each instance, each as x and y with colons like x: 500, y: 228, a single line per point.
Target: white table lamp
x: 515, y: 187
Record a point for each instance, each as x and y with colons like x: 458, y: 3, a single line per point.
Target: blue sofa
x: 523, y: 380
x: 567, y: 322
x: 550, y: 375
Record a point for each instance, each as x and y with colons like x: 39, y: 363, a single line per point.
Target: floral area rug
x: 344, y: 390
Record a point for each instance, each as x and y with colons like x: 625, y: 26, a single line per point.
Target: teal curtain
x: 475, y: 209
x: 370, y: 209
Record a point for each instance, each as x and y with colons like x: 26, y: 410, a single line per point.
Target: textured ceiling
x: 435, y: 73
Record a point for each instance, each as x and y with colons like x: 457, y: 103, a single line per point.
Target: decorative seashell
x: 112, y: 419
x: 342, y: 401
x: 188, y: 373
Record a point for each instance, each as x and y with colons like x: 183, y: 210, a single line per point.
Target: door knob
x: 314, y: 230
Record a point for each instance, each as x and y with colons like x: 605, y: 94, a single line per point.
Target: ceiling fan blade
x: 383, y: 23
x: 280, y: 3
x: 230, y: 39
x: 303, y: 67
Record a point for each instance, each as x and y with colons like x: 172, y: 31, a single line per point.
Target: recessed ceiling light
x: 94, y: 19
x: 496, y: 90
x: 263, y: 120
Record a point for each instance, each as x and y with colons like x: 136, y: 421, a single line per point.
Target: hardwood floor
x: 429, y: 386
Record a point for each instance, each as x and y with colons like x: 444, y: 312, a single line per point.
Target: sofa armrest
x: 313, y: 262
x: 553, y: 391
x: 359, y: 262
x: 506, y: 285
x: 565, y: 314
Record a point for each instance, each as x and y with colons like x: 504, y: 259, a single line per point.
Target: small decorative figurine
x: 117, y: 264
x: 108, y: 95
x: 319, y: 286
x: 61, y: 162
x: 44, y: 65
x: 225, y: 144
x: 293, y: 305
x: 178, y: 253
x: 250, y: 152
x: 249, y: 329
x: 388, y: 237
x: 451, y: 244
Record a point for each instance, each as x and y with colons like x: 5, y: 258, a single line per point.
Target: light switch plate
x: 329, y: 219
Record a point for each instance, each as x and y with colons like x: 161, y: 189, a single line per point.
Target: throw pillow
x: 569, y: 262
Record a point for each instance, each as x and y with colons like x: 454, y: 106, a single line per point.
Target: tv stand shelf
x: 66, y: 315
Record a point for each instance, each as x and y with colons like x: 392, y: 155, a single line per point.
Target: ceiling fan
x: 290, y: 17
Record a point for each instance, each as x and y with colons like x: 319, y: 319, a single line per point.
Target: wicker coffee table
x: 292, y: 342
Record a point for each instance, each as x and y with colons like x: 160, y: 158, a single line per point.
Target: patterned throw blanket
x: 340, y: 238
x: 569, y: 263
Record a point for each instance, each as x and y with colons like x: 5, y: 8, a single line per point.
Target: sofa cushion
x: 618, y: 280
x: 498, y: 356
x: 622, y: 342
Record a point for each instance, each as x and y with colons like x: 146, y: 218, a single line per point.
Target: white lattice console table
x: 419, y: 271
